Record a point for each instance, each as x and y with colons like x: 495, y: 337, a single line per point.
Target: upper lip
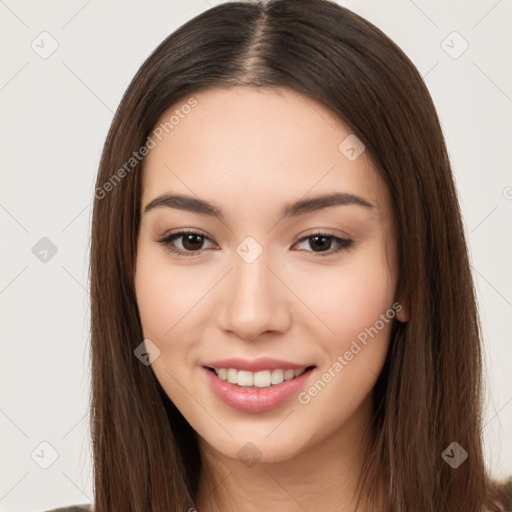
x: 256, y: 365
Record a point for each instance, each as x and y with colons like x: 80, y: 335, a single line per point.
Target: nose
x: 253, y: 301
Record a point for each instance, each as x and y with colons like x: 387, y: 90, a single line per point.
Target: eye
x: 191, y: 243
x: 185, y: 243
x: 323, y: 243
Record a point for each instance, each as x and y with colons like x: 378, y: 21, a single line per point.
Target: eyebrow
x: 301, y: 207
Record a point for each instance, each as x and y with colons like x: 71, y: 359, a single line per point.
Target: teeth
x: 289, y: 374
x: 262, y: 379
x: 245, y: 378
x: 277, y: 376
x: 231, y: 376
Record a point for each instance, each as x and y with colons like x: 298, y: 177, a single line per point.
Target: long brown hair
x: 429, y: 392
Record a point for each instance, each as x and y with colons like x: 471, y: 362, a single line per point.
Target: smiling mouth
x: 260, y: 379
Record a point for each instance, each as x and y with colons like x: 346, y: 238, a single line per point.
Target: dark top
x: 73, y: 508
x: 505, y: 500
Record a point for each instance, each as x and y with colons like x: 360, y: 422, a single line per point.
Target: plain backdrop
x: 55, y: 113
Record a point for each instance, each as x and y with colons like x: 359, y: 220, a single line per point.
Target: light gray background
x: 55, y: 114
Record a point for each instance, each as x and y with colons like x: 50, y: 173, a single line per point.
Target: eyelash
x: 344, y: 244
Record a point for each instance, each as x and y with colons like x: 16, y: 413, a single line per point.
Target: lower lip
x: 253, y: 399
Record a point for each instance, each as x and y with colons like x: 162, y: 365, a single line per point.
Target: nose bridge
x: 252, y: 301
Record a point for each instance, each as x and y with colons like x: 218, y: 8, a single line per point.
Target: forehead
x: 266, y: 145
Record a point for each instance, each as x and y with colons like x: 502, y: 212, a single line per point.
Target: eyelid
x: 182, y: 231
x: 333, y: 232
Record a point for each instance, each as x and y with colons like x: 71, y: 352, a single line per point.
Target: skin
x: 250, y: 151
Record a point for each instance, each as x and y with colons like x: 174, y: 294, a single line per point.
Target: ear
x: 402, y: 310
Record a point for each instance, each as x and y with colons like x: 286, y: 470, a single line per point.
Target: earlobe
x: 402, y: 310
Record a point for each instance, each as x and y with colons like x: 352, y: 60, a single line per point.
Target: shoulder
x: 73, y: 508
x: 502, y: 491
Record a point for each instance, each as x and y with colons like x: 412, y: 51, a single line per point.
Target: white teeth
x: 277, y: 376
x: 232, y: 376
x: 289, y: 374
x: 262, y: 379
x: 245, y: 378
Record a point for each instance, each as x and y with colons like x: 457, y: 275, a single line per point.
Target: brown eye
x: 320, y: 243
x: 323, y: 243
x: 192, y: 242
x: 185, y: 243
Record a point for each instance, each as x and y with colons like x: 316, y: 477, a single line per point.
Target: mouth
x: 256, y: 386
x: 259, y: 379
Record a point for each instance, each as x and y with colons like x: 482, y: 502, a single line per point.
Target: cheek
x: 153, y: 298
x: 350, y: 297
x: 166, y: 297
x: 173, y: 302
x: 356, y: 302
x: 166, y: 294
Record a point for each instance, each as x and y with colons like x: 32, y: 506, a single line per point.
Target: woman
x: 283, y: 313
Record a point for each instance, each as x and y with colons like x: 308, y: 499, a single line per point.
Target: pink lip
x: 253, y: 399
x: 256, y: 365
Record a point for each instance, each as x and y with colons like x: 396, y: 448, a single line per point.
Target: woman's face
x: 291, y: 266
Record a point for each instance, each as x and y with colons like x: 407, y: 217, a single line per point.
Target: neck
x: 323, y: 477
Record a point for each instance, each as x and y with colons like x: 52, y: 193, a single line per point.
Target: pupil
x: 191, y: 242
x: 322, y: 242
